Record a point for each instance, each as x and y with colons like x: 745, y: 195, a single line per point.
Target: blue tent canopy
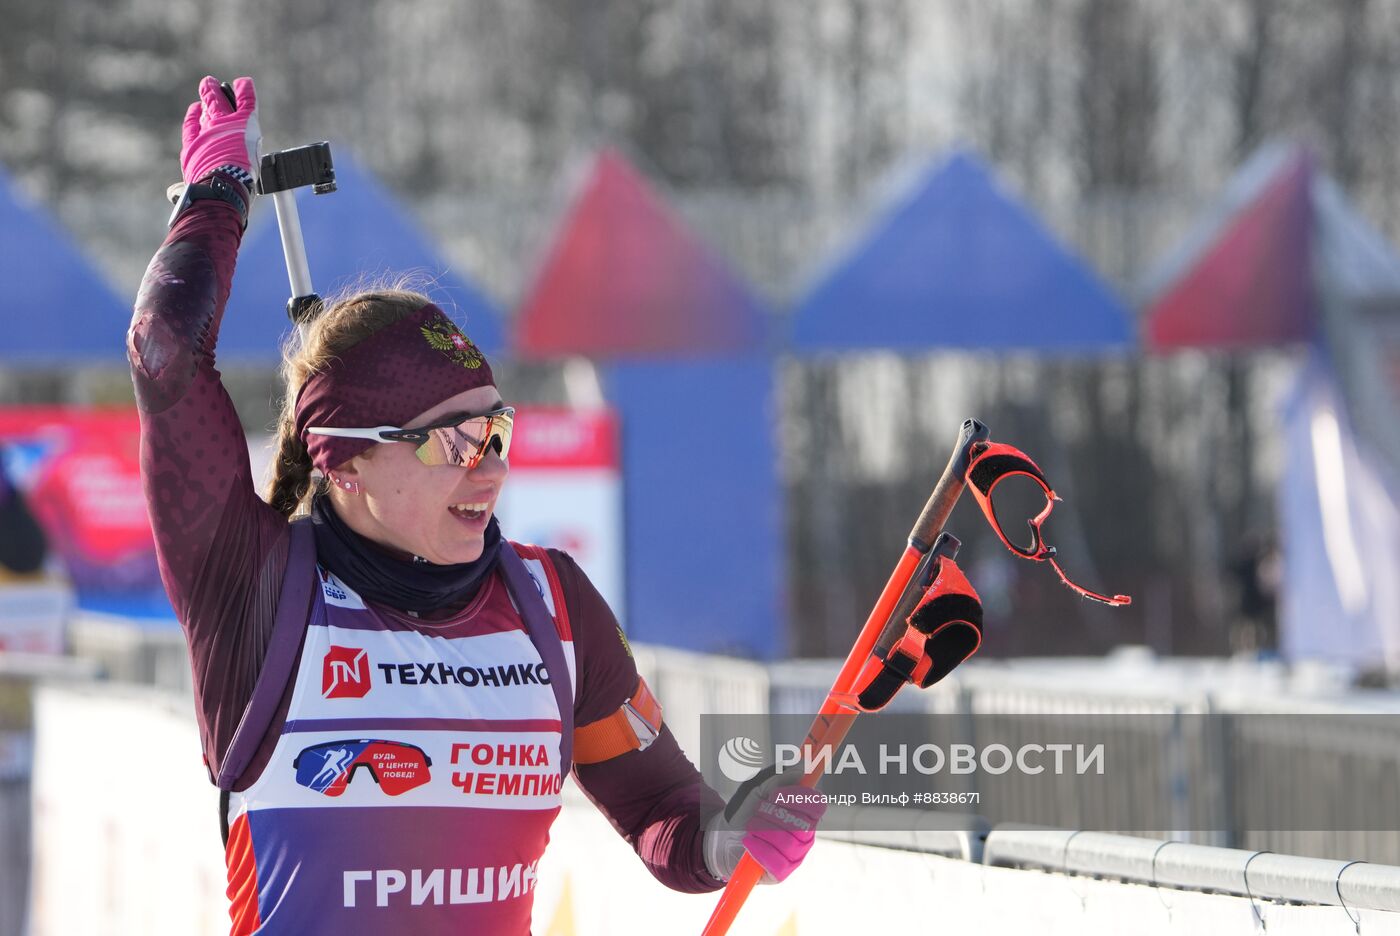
x: 356, y: 234
x: 959, y: 263
x: 58, y: 310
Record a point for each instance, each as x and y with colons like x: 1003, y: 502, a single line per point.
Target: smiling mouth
x: 474, y: 511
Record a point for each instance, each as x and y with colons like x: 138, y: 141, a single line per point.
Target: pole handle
x: 929, y: 527
x: 949, y: 488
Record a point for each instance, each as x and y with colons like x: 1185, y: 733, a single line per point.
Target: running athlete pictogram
x: 395, y: 766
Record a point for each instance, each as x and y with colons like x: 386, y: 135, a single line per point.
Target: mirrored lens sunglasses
x: 459, y: 439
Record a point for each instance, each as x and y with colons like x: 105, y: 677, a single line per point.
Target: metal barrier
x: 1162, y: 863
x: 1218, y: 775
x: 127, y: 653
x: 953, y: 835
x: 691, y: 684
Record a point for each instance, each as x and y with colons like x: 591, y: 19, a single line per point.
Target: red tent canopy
x: 625, y: 279
x: 1244, y: 280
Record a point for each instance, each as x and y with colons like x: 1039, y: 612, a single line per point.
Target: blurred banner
x: 80, y: 470
x: 565, y: 491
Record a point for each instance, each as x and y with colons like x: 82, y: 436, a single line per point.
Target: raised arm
x: 221, y: 549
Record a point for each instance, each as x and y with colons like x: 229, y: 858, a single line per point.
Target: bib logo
x: 337, y: 592
x: 345, y: 673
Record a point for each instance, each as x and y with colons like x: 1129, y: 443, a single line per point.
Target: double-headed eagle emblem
x: 442, y: 335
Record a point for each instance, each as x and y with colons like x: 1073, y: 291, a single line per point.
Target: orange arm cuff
x: 632, y: 727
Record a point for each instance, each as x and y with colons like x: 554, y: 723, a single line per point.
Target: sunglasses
x: 395, y: 766
x: 460, y: 439
x: 994, y: 463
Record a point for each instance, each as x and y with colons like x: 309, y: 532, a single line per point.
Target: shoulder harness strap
x: 288, y: 628
x: 544, y: 631
x: 559, y: 607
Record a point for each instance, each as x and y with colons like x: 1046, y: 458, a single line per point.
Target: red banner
x: 556, y: 437
x: 80, y: 471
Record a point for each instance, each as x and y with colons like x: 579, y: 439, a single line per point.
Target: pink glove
x: 777, y: 826
x: 783, y: 827
x: 217, y: 133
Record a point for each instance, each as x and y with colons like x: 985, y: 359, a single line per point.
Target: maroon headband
x: 396, y: 374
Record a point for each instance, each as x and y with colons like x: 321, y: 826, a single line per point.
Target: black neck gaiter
x: 405, y: 584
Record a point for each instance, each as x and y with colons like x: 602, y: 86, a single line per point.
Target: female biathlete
x: 388, y: 690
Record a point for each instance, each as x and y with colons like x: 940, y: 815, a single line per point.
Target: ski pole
x: 280, y: 175
x: 836, y: 715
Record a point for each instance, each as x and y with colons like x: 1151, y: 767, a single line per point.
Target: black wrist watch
x: 216, y: 185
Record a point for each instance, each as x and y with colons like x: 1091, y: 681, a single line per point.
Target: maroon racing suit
x: 223, y: 552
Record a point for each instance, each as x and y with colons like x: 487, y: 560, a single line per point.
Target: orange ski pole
x: 836, y: 715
